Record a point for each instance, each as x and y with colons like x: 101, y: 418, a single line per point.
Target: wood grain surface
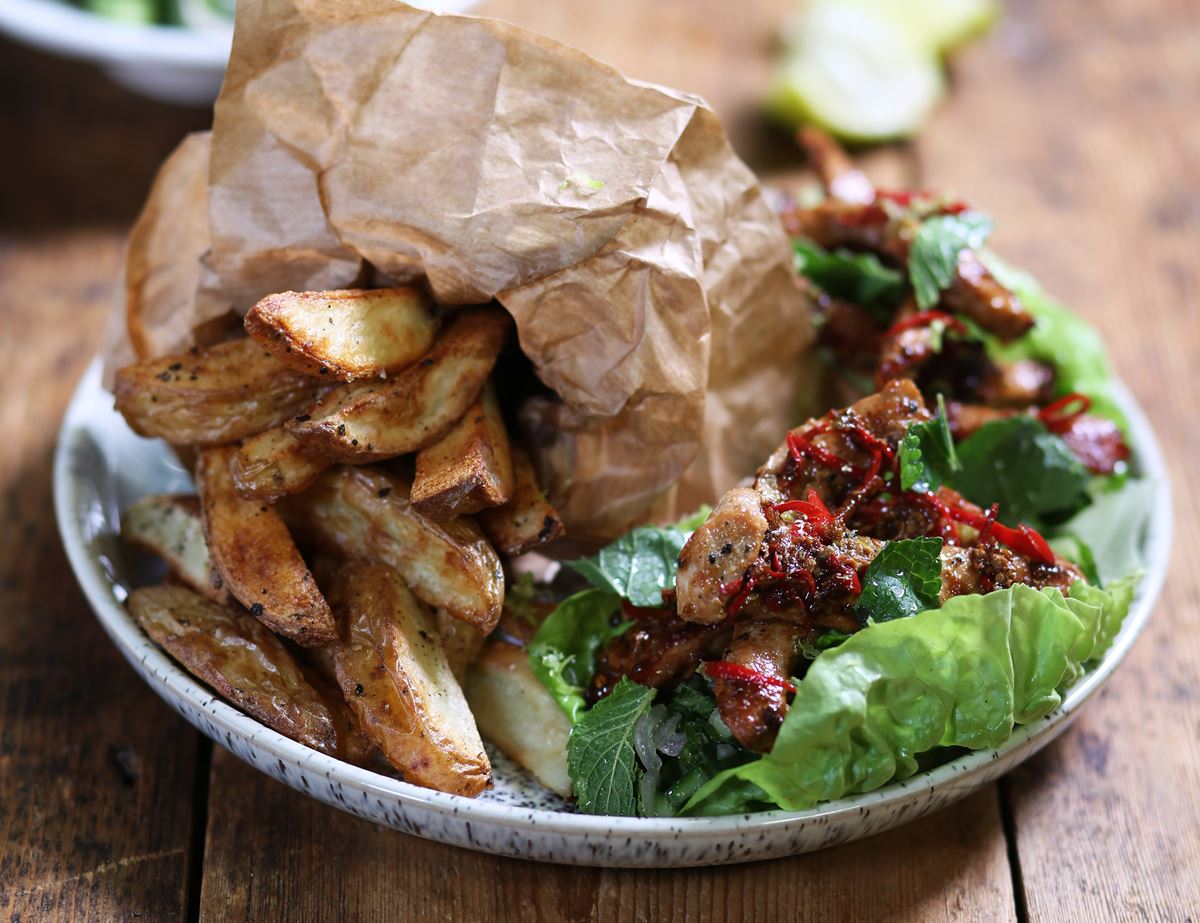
x: 1074, y: 124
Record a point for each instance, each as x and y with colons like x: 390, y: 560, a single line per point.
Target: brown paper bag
x: 365, y: 141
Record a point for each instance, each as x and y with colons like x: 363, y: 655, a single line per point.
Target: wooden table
x: 1074, y: 124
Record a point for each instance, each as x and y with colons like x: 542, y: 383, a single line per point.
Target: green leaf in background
x: 601, y: 758
x: 927, y: 455
x: 933, y: 259
x: 640, y: 564
x: 1108, y: 533
x: 962, y: 675
x: 1019, y: 464
x: 904, y: 578
x: 859, y: 278
x: 1059, y: 338
x: 562, y: 653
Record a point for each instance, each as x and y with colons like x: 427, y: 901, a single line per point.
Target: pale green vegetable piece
x: 854, y: 71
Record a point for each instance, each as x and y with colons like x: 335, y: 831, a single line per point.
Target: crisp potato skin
x: 273, y: 464
x: 527, y: 520
x: 394, y: 673
x: 365, y: 513
x: 345, y: 334
x: 169, y: 526
x: 211, y: 397
x: 238, y: 657
x: 370, y: 421
x: 461, y: 641
x: 515, y: 712
x: 468, y: 469
x: 256, y: 557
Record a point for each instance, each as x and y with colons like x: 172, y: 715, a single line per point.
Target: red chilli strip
x: 741, y: 590
x: 1059, y: 416
x: 924, y: 319
x: 813, y: 508
x: 727, y: 670
x: 801, y: 446
x: 1026, y: 541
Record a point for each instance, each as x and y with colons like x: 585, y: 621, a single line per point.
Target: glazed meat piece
x: 976, y: 293
x: 842, y: 180
x: 848, y: 332
x: 718, y: 553
x: 1096, y: 442
x: 983, y: 568
x: 659, y: 649
x: 1018, y: 384
x: 754, y: 708
x: 797, y: 467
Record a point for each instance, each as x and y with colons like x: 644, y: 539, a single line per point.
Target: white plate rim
x: 135, y: 645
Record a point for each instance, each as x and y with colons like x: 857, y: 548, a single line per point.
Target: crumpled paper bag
x: 367, y: 142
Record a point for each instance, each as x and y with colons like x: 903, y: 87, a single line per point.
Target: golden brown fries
x: 354, y: 746
x: 514, y: 711
x: 273, y: 464
x: 365, y: 513
x: 346, y: 334
x: 211, y: 397
x: 381, y: 419
x: 461, y: 641
x: 468, y: 469
x: 395, y: 676
x: 527, y: 520
x: 256, y: 557
x: 169, y: 526
x: 239, y: 658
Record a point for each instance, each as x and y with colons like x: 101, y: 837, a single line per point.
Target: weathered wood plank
x: 1075, y: 128
x: 95, y: 772
x: 273, y: 854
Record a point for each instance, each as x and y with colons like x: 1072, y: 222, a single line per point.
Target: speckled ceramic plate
x: 101, y: 467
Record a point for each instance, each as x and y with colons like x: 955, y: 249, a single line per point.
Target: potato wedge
x: 365, y: 513
x: 468, y: 469
x: 256, y: 557
x: 347, y: 334
x: 394, y: 674
x: 239, y: 658
x: 273, y: 464
x: 526, y: 521
x: 169, y: 525
x: 211, y: 397
x: 516, y: 713
x: 461, y: 642
x: 353, y: 744
x: 373, y: 420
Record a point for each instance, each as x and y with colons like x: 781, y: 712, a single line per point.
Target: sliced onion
x: 667, y: 739
x: 643, y: 738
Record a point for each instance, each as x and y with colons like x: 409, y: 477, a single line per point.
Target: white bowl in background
x: 174, y: 64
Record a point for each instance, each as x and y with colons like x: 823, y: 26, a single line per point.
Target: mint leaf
x: 1019, y: 464
x: 859, y: 278
x: 904, y: 578
x: 562, y: 653
x: 642, y: 563
x: 601, y: 759
x: 927, y: 455
x: 933, y: 259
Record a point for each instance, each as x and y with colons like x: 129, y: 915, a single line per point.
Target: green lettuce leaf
x: 601, y: 758
x: 903, y: 579
x: 1061, y: 339
x: 1019, y: 464
x: 933, y: 259
x: 641, y: 563
x: 1108, y: 533
x: 962, y: 675
x: 562, y: 653
x: 859, y: 278
x: 928, y: 458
